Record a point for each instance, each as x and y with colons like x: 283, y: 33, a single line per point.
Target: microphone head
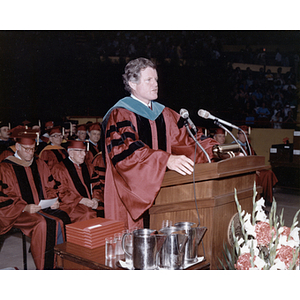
x: 203, y: 113
x: 184, y: 113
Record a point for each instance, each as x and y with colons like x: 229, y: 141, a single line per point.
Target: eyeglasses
x: 28, y: 149
x: 56, y: 135
x: 78, y: 150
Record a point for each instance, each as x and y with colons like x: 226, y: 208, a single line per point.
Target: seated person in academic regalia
x: 54, y: 152
x: 66, y: 132
x: 265, y: 178
x: 45, y: 133
x: 73, y: 179
x: 94, y: 133
x: 219, y: 135
x: 24, y: 181
x: 11, y: 149
x: 5, y: 139
x: 81, y: 132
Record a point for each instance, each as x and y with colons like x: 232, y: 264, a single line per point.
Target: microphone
x: 185, y: 115
x: 206, y: 115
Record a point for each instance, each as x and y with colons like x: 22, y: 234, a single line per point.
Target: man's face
x: 56, y: 138
x: 81, y: 135
x: 94, y: 136
x: 66, y: 134
x: 4, y: 134
x: 220, y: 138
x: 241, y: 137
x: 26, y: 152
x: 146, y: 89
x: 77, y: 155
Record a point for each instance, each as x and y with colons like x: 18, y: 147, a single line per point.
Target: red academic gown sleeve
x: 182, y: 143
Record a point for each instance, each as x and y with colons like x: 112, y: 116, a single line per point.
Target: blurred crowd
x: 264, y: 99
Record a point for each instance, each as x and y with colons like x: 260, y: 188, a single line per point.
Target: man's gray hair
x: 133, y: 71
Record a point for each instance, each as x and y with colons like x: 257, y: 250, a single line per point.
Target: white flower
x: 278, y: 265
x: 248, y: 226
x: 261, y: 216
x: 283, y: 241
x: 240, y: 241
x: 259, y: 204
x: 260, y: 213
x: 245, y: 249
x: 260, y: 263
x: 295, y: 235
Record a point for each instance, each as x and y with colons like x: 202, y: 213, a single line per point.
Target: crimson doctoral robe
x: 22, y: 184
x: 74, y: 183
x: 136, y: 153
x: 53, y: 155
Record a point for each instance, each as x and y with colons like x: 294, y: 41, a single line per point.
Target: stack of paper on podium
x: 92, y: 233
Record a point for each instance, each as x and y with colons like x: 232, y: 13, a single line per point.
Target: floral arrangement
x: 264, y: 244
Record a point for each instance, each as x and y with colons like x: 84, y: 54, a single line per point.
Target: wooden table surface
x: 74, y: 257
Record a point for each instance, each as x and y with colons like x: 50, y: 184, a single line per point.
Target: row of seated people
x: 66, y: 173
x: 26, y: 179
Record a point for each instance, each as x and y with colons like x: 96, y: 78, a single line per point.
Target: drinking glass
x: 118, y: 239
x: 110, y: 248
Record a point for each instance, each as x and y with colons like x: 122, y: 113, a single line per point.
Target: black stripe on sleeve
x: 119, y: 125
x: 131, y: 149
x: 120, y: 141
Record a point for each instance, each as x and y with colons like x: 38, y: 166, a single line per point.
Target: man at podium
x: 141, y: 139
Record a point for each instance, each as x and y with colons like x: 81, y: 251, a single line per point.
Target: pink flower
x: 285, y: 254
x: 243, y: 262
x: 263, y: 233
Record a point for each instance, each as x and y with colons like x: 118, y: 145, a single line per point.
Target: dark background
x: 49, y: 75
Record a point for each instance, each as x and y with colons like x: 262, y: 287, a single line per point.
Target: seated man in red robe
x: 265, y: 178
x: 24, y: 181
x: 141, y: 140
x: 219, y: 135
x: 73, y: 180
x: 54, y: 153
x: 81, y: 132
x: 94, y: 131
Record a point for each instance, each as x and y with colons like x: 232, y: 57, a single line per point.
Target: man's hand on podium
x: 181, y: 164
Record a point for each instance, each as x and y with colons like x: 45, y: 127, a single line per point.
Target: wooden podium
x: 214, y: 193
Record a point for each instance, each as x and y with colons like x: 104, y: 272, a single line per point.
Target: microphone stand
x: 247, y: 142
x: 198, y: 144
x: 223, y: 127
